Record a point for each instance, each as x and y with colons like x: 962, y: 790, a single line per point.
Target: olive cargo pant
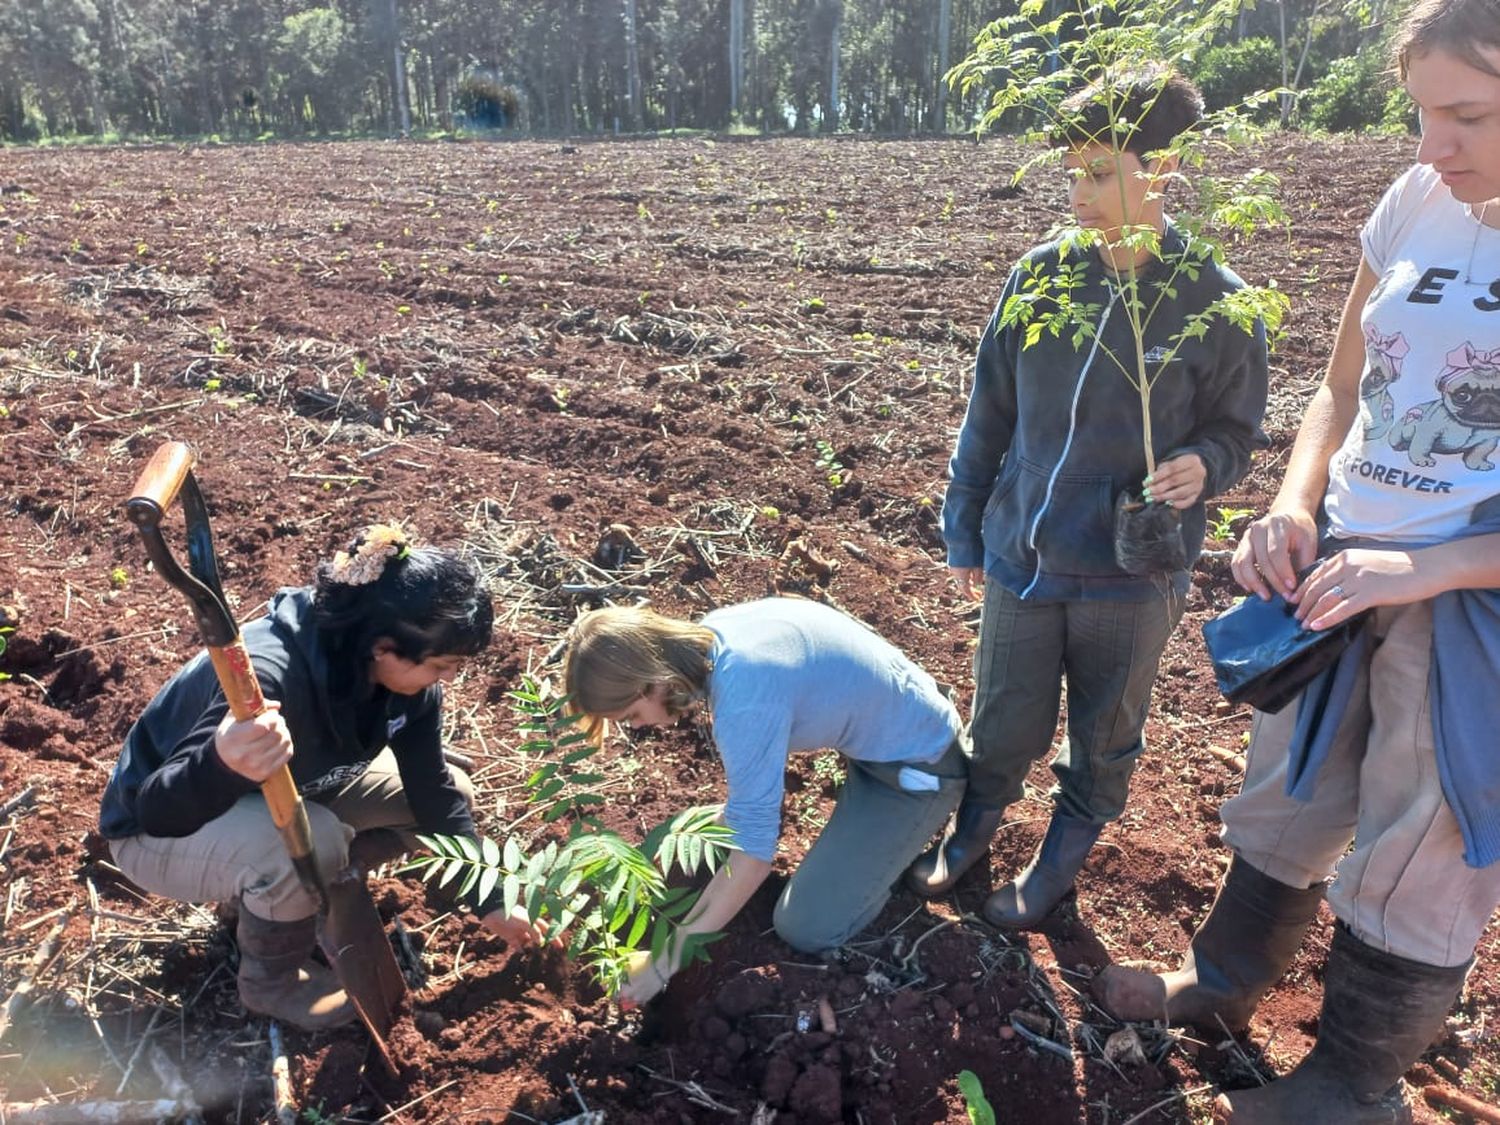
x: 885, y: 815
x: 1108, y: 652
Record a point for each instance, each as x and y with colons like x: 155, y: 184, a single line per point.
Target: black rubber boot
x: 965, y: 841
x: 1030, y: 896
x: 1380, y: 1012
x: 1239, y: 951
x: 276, y: 978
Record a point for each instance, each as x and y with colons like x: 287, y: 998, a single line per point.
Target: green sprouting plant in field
x: 828, y: 769
x: 829, y: 464
x: 5, y: 632
x: 980, y: 1110
x: 119, y: 578
x: 1042, y: 56
x: 1221, y: 530
x: 609, y: 897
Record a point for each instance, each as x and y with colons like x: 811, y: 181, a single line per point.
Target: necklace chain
x: 1479, y: 229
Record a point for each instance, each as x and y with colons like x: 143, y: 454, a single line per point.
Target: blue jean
x: 1108, y: 653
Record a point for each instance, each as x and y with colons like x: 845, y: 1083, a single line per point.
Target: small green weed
x: 1221, y: 530
x: 829, y: 464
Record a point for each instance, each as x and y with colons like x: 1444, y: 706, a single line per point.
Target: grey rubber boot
x: 1030, y: 896
x: 1380, y: 1012
x: 276, y: 978
x: 1240, y: 950
x: 965, y: 841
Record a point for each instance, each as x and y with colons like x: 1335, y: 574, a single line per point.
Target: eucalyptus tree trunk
x: 398, y: 74
x: 831, y: 108
x: 944, y: 35
x: 736, y: 55
x: 633, y: 68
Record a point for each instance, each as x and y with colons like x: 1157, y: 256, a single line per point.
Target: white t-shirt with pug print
x: 1423, y: 451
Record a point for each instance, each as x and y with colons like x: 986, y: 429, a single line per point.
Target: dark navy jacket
x: 1053, y: 431
x: 169, y: 780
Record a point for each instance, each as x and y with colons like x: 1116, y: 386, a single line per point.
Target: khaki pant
x: 877, y: 828
x: 241, y: 854
x: 1404, y: 887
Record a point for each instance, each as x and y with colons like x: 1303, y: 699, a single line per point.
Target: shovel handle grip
x: 242, y: 689
x: 162, y: 478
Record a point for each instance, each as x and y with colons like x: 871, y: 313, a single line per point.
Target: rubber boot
x: 277, y: 980
x: 965, y: 841
x: 1239, y: 951
x: 1030, y: 896
x: 1380, y: 1012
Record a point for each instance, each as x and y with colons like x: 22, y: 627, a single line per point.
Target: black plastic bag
x: 1148, y: 537
x: 1264, y: 657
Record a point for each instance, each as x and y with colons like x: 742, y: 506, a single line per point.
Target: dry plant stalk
x: 39, y: 961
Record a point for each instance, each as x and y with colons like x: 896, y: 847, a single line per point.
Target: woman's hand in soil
x: 1177, y: 482
x: 969, y: 580
x: 516, y: 928
x: 254, y: 748
x: 1352, y: 581
x: 648, y: 976
x: 1272, y: 551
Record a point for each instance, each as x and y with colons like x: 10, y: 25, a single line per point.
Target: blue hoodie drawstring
x: 1083, y: 375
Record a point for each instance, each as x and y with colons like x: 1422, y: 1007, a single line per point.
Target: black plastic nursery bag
x: 1264, y: 657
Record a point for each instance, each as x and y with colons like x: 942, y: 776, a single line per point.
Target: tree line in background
x: 283, y: 68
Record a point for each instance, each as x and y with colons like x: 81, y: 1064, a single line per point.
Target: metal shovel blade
x: 353, y: 939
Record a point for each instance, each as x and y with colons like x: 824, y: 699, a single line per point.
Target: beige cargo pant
x: 240, y: 854
x: 1404, y: 887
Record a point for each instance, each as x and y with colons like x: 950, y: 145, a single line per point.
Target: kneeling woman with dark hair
x: 775, y: 676
x: 352, y: 669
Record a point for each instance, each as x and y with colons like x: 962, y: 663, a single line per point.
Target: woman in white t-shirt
x: 1390, y: 508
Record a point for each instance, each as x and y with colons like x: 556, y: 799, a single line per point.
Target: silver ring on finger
x: 1336, y: 590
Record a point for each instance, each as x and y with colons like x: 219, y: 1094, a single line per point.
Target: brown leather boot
x: 276, y: 978
x: 1028, y: 898
x: 965, y: 841
x: 1380, y: 1012
x: 1239, y: 951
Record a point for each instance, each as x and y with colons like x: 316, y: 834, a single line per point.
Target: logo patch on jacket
x: 1158, y: 354
x: 335, y: 780
x: 394, y: 725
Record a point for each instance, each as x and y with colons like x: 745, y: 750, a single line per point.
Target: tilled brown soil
x: 520, y: 345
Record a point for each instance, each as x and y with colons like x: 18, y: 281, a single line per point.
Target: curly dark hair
x: 427, y: 602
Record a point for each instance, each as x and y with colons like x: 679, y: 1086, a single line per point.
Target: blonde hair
x: 1463, y: 28
x: 615, y: 655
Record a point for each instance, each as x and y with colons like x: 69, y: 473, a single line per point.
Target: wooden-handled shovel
x: 349, y: 927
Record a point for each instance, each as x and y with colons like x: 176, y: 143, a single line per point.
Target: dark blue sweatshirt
x: 1053, y: 431
x: 169, y: 780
